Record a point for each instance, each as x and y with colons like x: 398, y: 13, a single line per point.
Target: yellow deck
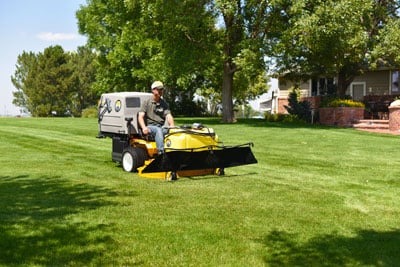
x: 183, y: 140
x: 167, y: 175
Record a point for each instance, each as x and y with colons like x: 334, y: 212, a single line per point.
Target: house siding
x: 286, y: 86
x: 377, y: 82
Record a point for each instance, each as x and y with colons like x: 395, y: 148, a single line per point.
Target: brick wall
x: 394, y: 118
x: 340, y: 116
x: 315, y: 101
x: 282, y: 102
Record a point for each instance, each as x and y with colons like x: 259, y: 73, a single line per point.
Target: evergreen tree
x: 54, y: 83
x: 299, y: 108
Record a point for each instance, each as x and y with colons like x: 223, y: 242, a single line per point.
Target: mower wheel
x: 171, y: 176
x: 220, y: 172
x: 132, y: 158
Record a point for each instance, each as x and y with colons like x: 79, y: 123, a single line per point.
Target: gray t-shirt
x: 155, y: 112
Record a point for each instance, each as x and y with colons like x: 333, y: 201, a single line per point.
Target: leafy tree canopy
x: 53, y: 82
x: 178, y: 42
x: 330, y: 37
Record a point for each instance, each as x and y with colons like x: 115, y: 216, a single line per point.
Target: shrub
x: 301, y: 109
x: 284, y: 118
x: 337, y: 102
x: 290, y: 118
x: 274, y: 117
x: 270, y: 117
x: 90, y: 112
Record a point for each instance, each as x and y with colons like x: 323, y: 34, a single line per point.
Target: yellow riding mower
x: 189, y: 150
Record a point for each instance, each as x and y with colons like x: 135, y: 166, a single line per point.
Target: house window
x: 323, y: 86
x: 395, y: 81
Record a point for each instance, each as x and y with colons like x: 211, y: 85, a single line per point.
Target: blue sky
x: 27, y: 25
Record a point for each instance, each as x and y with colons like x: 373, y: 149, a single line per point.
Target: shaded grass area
x: 37, y: 226
x: 318, y: 197
x: 365, y: 248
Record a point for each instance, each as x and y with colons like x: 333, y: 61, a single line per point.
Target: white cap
x: 157, y: 85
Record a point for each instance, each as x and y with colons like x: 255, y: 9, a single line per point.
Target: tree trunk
x: 344, y: 82
x: 227, y: 88
x: 341, y: 88
x: 233, y: 36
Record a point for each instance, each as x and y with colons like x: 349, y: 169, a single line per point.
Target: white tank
x: 114, y: 108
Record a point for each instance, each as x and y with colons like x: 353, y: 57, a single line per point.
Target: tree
x: 329, y: 38
x: 297, y: 107
x: 82, y: 63
x: 43, y: 82
x: 141, y: 41
x: 190, y: 47
x: 26, y: 62
x: 53, y: 82
x: 386, y: 52
x: 177, y: 42
x: 244, y: 28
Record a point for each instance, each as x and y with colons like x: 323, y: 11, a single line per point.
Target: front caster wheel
x: 172, y: 176
x: 220, y: 171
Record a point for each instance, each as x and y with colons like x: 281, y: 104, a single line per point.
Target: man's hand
x: 145, y: 130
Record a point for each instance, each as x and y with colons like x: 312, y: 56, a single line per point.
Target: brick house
x: 375, y: 88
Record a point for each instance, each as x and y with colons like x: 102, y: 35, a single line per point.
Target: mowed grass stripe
x: 43, y: 136
x: 318, y: 197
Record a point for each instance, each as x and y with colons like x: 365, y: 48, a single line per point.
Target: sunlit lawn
x: 317, y: 197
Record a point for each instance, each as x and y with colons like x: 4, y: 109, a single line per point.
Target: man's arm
x: 170, y: 120
x: 142, y: 125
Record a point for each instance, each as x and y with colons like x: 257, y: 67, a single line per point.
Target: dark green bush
x: 275, y: 117
x: 301, y: 109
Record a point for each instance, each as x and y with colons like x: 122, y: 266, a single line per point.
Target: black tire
x: 174, y: 176
x: 132, y: 158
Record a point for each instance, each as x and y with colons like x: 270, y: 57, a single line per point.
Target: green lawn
x: 317, y: 197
